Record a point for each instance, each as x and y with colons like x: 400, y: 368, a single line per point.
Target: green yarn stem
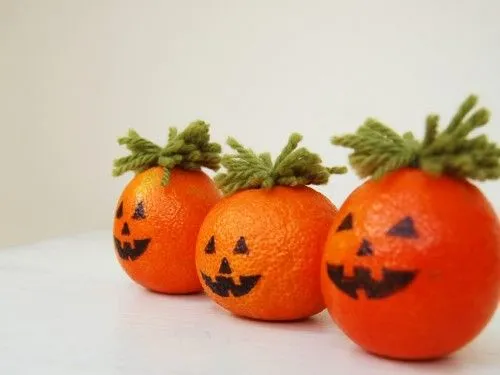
x: 191, y: 150
x: 378, y: 150
x: 293, y: 167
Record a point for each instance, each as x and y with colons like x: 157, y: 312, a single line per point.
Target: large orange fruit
x: 259, y: 249
x: 411, y: 267
x: 160, y: 211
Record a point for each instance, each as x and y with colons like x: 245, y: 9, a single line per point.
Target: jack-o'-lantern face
x: 406, y: 258
x: 361, y: 255
x: 225, y: 283
x: 128, y: 247
x: 258, y: 252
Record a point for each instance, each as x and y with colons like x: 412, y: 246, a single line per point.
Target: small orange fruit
x: 411, y: 267
x: 161, y: 209
x: 259, y: 249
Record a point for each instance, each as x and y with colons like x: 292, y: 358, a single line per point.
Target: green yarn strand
x: 378, y: 150
x: 293, y: 142
x: 463, y: 110
x: 293, y: 167
x: 190, y: 150
x: 337, y: 170
x: 431, y: 129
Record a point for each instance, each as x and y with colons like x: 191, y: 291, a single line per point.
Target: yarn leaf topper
x: 378, y: 150
x: 293, y: 167
x: 190, y: 149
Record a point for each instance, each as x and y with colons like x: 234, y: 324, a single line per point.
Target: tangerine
x: 161, y: 209
x: 411, y: 266
x: 155, y: 228
x: 259, y: 249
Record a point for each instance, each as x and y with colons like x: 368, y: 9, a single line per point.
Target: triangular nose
x: 365, y: 249
x: 224, y: 266
x: 125, y: 230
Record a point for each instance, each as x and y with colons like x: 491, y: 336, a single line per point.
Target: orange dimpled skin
x: 160, y: 211
x: 259, y: 249
x: 411, y: 266
x: 258, y: 252
x: 155, y: 228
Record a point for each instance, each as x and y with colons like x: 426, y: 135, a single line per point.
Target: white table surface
x: 67, y: 308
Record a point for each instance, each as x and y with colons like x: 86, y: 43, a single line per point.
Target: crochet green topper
x: 293, y: 167
x: 190, y: 149
x: 378, y: 150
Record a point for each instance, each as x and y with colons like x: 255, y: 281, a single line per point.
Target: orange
x: 259, y: 249
x: 258, y: 252
x: 155, y: 228
x: 411, y: 266
x: 160, y: 211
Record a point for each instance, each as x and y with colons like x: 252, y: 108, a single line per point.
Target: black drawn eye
x: 346, y: 224
x: 210, y: 248
x: 405, y: 228
x: 139, y: 213
x: 241, y: 246
x: 119, y: 211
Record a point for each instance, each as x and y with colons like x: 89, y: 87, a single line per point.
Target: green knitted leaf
x: 292, y: 167
x: 191, y: 150
x: 378, y: 150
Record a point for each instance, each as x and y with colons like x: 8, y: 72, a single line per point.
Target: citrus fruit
x: 160, y: 211
x: 259, y: 249
x: 411, y: 266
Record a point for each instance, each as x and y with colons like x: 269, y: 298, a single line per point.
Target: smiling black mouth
x: 223, y: 285
x: 392, y: 281
x: 129, y: 252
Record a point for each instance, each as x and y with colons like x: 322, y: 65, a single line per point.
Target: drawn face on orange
x: 225, y: 283
x: 127, y: 246
x: 258, y: 252
x: 389, y: 281
x: 405, y: 258
x: 155, y: 228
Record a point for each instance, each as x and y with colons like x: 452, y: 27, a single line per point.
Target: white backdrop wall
x: 75, y: 75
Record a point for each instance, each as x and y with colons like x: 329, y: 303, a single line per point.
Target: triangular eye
x: 346, y: 224
x: 404, y: 228
x: 241, y: 246
x: 139, y: 213
x: 119, y: 211
x: 210, y: 248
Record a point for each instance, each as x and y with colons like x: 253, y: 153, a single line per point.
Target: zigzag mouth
x: 129, y: 252
x: 392, y: 281
x: 223, y: 286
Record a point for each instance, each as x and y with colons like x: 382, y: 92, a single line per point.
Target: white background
x: 73, y: 311
x: 75, y: 75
